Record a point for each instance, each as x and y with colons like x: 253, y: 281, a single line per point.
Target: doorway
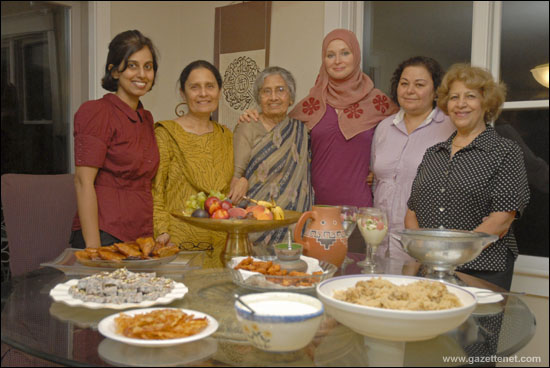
x: 35, y: 71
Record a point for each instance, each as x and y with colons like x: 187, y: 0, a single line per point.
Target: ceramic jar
x: 324, y: 237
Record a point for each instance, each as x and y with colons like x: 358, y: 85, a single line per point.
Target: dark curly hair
x: 196, y: 65
x: 431, y: 65
x: 123, y: 46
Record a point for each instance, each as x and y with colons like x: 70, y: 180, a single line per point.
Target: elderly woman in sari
x: 271, y: 155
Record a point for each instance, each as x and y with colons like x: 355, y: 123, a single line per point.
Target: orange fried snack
x: 146, y: 245
x: 112, y: 248
x: 269, y: 269
x: 91, y: 251
x: 109, y: 255
x: 168, y: 250
x: 82, y: 255
x: 142, y: 248
x: 129, y: 250
x: 159, y: 325
x: 156, y: 248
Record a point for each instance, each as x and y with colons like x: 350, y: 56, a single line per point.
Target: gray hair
x: 272, y: 70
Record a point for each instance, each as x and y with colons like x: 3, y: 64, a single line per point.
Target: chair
x: 38, y: 213
x: 12, y: 357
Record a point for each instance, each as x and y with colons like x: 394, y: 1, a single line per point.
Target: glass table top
x: 34, y: 323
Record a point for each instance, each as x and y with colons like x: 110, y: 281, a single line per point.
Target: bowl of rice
x: 395, y: 307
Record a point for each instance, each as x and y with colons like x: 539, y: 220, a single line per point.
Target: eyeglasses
x: 202, y: 246
x: 279, y: 91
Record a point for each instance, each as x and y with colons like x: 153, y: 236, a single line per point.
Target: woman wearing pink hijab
x: 340, y: 112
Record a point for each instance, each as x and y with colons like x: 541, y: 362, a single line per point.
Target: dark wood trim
x: 217, y: 31
x: 267, y: 31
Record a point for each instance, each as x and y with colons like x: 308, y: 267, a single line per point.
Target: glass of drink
x: 373, y: 224
x: 349, y: 216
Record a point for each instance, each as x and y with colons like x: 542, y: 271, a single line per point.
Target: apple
x: 236, y: 212
x: 220, y: 214
x: 212, y: 204
x: 226, y: 204
x: 260, y: 212
x: 266, y: 215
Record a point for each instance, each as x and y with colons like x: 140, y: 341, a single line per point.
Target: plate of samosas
x: 143, y: 252
x: 262, y: 274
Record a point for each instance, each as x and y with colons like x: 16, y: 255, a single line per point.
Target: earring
x: 179, y: 109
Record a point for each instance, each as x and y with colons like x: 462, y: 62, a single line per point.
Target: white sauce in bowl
x: 281, y: 308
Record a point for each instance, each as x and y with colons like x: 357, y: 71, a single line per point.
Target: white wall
x: 184, y: 31
x: 181, y: 32
x: 297, y: 32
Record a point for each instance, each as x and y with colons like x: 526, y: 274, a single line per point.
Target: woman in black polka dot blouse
x: 475, y: 180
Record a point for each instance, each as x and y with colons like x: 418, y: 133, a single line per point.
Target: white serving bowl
x: 281, y: 322
x: 394, y: 325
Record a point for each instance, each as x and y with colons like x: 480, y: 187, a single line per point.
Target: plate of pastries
x: 143, y: 252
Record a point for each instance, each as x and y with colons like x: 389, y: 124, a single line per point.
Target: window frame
x: 17, y: 72
x: 486, y: 43
x: 40, y: 38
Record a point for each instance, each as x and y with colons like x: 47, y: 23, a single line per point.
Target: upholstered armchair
x: 38, y: 213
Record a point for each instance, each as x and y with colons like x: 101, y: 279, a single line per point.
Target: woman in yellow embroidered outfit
x: 196, y: 154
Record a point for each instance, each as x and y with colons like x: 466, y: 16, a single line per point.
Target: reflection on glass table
x: 33, y: 323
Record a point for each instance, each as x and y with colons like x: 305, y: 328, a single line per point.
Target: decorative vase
x: 324, y: 237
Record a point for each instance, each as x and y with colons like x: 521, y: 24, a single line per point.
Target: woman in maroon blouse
x: 116, y: 154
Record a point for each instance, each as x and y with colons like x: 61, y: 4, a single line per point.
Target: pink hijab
x: 363, y: 105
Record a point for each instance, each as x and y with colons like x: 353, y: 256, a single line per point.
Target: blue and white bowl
x: 281, y: 322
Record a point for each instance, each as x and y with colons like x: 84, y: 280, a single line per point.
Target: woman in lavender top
x: 400, y: 141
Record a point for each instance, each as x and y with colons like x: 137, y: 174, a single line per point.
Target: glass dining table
x: 33, y: 323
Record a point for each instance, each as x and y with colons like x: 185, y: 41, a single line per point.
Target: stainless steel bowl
x: 443, y: 249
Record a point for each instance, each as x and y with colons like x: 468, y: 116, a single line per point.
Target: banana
x: 278, y: 213
x: 266, y: 204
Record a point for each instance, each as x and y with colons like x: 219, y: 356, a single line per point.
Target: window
x: 35, y: 121
x: 396, y: 31
x: 524, y: 45
x: 529, y: 128
x: 31, y: 73
x: 37, y: 84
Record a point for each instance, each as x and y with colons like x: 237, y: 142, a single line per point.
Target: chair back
x: 38, y: 213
